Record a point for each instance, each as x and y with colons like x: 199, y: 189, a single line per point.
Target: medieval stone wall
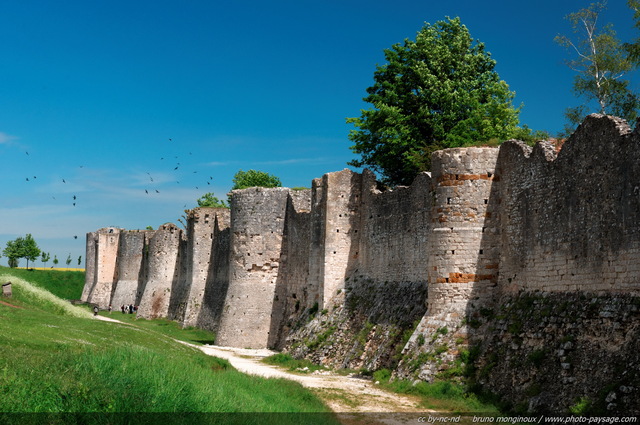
x: 130, y: 267
x: 293, y: 292
x: 215, y: 291
x: 395, y: 227
x: 573, y: 222
x: 105, y: 272
x: 197, y: 257
x: 257, y: 227
x: 345, y: 272
x: 336, y: 198
x: 163, y: 265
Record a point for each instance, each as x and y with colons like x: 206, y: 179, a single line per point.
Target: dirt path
x: 356, y: 400
x: 10, y: 305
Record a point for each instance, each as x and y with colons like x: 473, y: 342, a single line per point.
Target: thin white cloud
x: 290, y: 161
x: 6, y: 138
x: 296, y: 161
x: 221, y: 163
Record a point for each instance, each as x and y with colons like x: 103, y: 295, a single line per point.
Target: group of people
x: 129, y: 308
x: 124, y: 308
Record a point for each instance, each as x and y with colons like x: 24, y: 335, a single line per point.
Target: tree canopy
x: 209, y: 200
x: 254, y: 178
x: 633, y: 49
x: 20, y: 247
x: 601, y: 61
x: 438, y: 91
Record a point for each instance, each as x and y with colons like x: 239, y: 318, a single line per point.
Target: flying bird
x: 146, y: 191
x: 157, y: 191
x: 74, y: 197
x: 75, y: 237
x: 27, y: 178
x: 27, y: 153
x: 63, y: 181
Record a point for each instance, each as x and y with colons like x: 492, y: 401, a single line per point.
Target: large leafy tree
x: 440, y: 90
x: 601, y: 61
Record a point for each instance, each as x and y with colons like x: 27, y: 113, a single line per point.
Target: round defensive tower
x: 130, y: 261
x: 463, y: 253
x: 257, y: 226
x: 105, y: 265
x: 162, y: 271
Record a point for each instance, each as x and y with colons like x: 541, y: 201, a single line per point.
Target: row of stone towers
x: 485, y: 220
x: 245, y: 271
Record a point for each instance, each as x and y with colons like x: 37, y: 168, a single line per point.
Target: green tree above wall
x: 600, y: 61
x: 438, y: 91
x: 210, y: 200
x: 254, y: 178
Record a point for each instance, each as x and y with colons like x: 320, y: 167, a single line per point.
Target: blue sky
x: 102, y: 100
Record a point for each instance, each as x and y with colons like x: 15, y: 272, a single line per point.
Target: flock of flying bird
x: 147, y: 191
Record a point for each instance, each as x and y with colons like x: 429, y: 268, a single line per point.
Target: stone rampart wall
x: 217, y: 284
x: 163, y: 267
x: 293, y: 293
x: 394, y: 231
x: 197, y: 256
x: 341, y: 273
x: 572, y: 223
x: 257, y: 227
x: 130, y: 267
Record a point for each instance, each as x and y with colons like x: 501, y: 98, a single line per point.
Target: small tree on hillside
x: 79, y: 260
x: 68, y: 261
x: 30, y: 249
x: 14, y: 251
x: 45, y: 258
x: 55, y: 260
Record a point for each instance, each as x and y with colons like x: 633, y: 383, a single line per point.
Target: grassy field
x: 64, y: 284
x: 57, y: 358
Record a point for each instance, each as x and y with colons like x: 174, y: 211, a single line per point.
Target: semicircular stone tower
x: 464, y: 249
x: 162, y: 272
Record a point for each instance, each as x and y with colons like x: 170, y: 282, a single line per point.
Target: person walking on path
x: 95, y: 310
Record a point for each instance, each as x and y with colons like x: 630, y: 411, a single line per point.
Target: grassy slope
x: 64, y: 284
x: 54, y: 360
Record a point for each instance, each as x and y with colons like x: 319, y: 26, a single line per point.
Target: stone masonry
x: 486, y: 223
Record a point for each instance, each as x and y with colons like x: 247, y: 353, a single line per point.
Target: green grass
x: 64, y: 284
x: 54, y: 360
x: 439, y: 395
x: 166, y: 327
